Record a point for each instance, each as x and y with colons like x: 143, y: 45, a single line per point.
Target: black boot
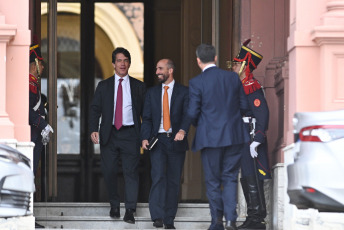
x: 256, y: 210
x: 244, y: 187
x: 218, y: 221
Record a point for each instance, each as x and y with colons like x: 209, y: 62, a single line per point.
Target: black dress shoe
x: 114, y: 212
x: 230, y: 225
x: 158, y: 223
x: 169, y: 226
x: 253, y: 224
x: 129, y: 216
x: 37, y: 225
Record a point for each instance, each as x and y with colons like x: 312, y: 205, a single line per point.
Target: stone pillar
x: 7, y: 32
x: 330, y: 38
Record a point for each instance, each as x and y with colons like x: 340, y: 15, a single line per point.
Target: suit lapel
x: 158, y: 98
x: 133, y: 92
x: 174, y: 93
x: 112, y: 93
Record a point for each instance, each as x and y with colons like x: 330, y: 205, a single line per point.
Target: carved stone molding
x: 277, y: 74
x: 7, y: 32
x: 332, y: 29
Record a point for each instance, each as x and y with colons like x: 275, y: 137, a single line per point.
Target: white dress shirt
x: 169, y: 91
x: 127, y: 103
x: 208, y: 66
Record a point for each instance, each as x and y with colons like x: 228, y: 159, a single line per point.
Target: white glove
x: 49, y: 128
x: 253, y: 150
x: 45, y: 134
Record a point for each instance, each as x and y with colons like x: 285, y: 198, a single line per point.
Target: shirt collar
x: 125, y: 78
x: 169, y: 85
x: 208, y: 66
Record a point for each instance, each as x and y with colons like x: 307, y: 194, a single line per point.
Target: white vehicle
x: 16, y: 182
x: 316, y: 178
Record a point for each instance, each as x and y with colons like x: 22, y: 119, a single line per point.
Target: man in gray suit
x: 118, y: 101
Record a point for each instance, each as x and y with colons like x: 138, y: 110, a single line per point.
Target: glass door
x: 86, y: 35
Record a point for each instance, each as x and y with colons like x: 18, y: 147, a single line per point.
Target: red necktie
x: 119, y: 106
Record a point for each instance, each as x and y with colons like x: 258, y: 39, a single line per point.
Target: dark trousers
x: 166, y: 171
x: 123, y: 145
x: 221, y: 168
x: 37, y: 139
x: 247, y: 162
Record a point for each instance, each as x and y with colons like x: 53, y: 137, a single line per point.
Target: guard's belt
x: 249, y: 119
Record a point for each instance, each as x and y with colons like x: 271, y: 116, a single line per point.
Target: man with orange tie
x: 164, y: 117
x: 118, y: 101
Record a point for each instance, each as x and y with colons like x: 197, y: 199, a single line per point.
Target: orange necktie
x: 166, y: 111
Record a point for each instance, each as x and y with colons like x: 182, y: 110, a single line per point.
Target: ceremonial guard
x: 40, y: 129
x: 254, y: 162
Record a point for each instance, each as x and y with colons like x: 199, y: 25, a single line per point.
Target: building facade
x: 302, y: 42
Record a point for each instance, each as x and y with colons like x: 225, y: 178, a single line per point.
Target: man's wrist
x: 180, y: 130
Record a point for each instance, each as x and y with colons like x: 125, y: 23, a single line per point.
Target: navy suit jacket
x: 178, y: 113
x: 217, y: 102
x: 103, y: 106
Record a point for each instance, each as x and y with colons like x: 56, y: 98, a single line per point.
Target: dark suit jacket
x: 103, y: 106
x: 178, y: 113
x: 216, y: 101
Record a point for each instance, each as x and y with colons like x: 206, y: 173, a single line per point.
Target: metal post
x: 52, y: 97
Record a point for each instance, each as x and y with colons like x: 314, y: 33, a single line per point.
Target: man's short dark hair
x: 206, y: 53
x: 170, y: 64
x: 120, y: 50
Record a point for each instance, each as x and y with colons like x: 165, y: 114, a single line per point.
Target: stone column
x: 330, y: 38
x: 7, y: 32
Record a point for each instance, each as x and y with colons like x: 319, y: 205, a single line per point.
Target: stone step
x: 91, y: 222
x: 102, y: 209
x: 96, y: 216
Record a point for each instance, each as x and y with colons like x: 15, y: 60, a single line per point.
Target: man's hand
x: 144, y: 144
x: 253, y: 150
x: 95, y: 137
x: 180, y: 135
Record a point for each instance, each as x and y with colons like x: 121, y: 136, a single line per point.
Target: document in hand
x: 151, y: 143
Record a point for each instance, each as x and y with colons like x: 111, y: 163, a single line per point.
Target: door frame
x: 87, y: 162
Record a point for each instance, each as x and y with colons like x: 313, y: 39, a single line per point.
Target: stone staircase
x: 96, y: 216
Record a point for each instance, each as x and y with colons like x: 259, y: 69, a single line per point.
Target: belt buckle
x: 169, y: 134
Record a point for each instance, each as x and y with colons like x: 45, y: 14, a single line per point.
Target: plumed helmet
x: 251, y: 57
x: 35, y: 52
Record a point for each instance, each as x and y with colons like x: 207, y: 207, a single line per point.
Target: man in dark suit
x: 216, y: 101
x: 164, y: 116
x: 118, y: 101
